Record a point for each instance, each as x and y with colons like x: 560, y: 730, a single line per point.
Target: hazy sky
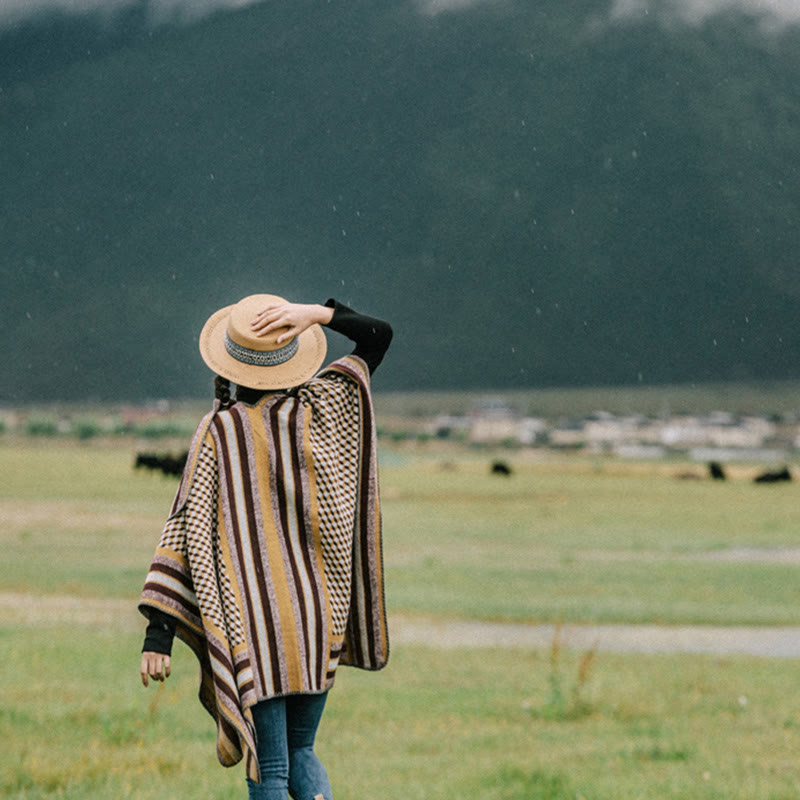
x: 695, y: 11
x: 691, y: 11
x: 16, y: 10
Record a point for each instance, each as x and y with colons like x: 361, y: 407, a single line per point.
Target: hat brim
x: 301, y: 367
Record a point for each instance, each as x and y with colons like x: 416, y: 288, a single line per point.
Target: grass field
x: 561, y: 540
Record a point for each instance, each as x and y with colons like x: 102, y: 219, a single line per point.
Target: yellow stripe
x: 296, y: 546
x: 249, y: 556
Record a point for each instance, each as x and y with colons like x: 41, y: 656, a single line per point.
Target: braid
x: 222, y: 391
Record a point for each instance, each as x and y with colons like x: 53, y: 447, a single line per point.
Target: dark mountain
x: 531, y: 196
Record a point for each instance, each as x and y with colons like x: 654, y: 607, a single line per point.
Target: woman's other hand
x: 155, y: 666
x: 293, y: 317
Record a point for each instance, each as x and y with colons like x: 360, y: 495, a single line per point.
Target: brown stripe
x: 220, y: 684
x: 167, y: 569
x: 221, y: 655
x: 231, y: 732
x: 364, y: 493
x: 165, y: 591
x: 260, y: 557
x: 318, y: 580
x: 298, y: 599
x: 233, y: 534
x: 307, y: 553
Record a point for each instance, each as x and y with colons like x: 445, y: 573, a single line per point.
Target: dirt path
x: 772, y: 642
x: 28, y: 609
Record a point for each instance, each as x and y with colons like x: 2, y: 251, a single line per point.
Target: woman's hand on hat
x: 155, y: 666
x: 294, y: 317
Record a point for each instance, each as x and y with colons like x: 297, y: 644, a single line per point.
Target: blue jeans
x: 285, y: 731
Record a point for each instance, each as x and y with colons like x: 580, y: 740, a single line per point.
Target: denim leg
x: 307, y: 777
x: 269, y: 718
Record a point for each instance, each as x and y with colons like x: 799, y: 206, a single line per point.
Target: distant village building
x: 630, y: 436
x: 532, y: 431
x: 605, y: 430
x: 492, y: 430
x: 717, y: 430
x: 569, y: 433
x: 493, y: 422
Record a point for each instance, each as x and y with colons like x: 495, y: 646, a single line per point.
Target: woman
x: 270, y: 564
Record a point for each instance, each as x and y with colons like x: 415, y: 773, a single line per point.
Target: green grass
x: 575, y: 542
x: 436, y: 724
x: 563, y: 540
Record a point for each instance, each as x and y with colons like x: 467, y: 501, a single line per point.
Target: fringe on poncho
x: 271, y: 560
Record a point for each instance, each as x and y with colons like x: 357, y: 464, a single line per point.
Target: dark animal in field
x: 147, y: 460
x: 500, y: 468
x: 168, y: 464
x: 774, y: 477
x: 174, y: 466
x: 715, y: 471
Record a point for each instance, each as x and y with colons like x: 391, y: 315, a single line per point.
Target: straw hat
x: 231, y: 349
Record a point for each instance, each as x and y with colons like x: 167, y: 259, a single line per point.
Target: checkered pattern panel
x: 173, y: 537
x: 200, y: 515
x: 334, y: 433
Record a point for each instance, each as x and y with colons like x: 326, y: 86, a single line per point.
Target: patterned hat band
x: 260, y: 358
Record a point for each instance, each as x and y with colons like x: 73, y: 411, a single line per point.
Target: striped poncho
x: 271, y: 560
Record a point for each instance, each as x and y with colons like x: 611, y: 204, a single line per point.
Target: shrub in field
x: 121, y: 428
x: 158, y: 429
x: 562, y: 702
x: 41, y: 425
x: 86, y: 428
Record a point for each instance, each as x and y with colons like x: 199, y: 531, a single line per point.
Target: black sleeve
x: 371, y: 335
x: 160, y: 632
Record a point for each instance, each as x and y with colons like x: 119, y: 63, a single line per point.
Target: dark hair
x: 222, y: 391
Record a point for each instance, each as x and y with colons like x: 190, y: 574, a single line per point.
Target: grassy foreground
x: 434, y: 725
x: 559, y: 540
